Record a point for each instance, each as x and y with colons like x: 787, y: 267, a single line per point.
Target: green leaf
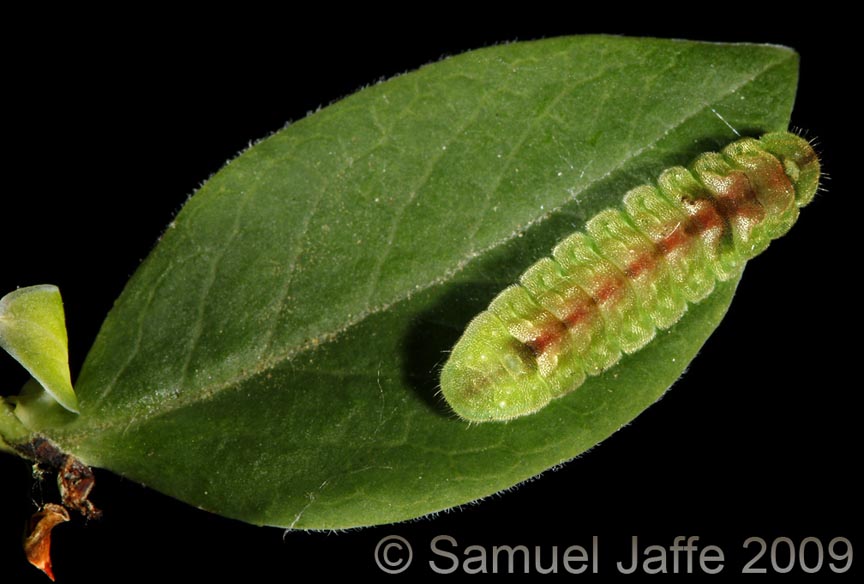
x: 276, y: 357
x: 33, y: 330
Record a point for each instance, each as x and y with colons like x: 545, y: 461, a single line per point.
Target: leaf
x: 275, y: 359
x: 33, y: 330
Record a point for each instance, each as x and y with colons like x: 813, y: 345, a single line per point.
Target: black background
x: 107, y: 133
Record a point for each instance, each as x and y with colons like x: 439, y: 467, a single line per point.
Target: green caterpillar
x: 607, y: 290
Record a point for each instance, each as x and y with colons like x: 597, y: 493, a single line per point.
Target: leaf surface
x: 276, y: 357
x: 33, y: 330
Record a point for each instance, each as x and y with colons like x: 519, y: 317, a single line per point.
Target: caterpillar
x: 607, y: 290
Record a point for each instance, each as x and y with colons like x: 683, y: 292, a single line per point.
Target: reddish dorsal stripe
x: 608, y: 290
x: 578, y: 314
x: 713, y: 213
x: 547, y: 339
x: 642, y: 264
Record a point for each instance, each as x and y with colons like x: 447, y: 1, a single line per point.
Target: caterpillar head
x: 800, y: 162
